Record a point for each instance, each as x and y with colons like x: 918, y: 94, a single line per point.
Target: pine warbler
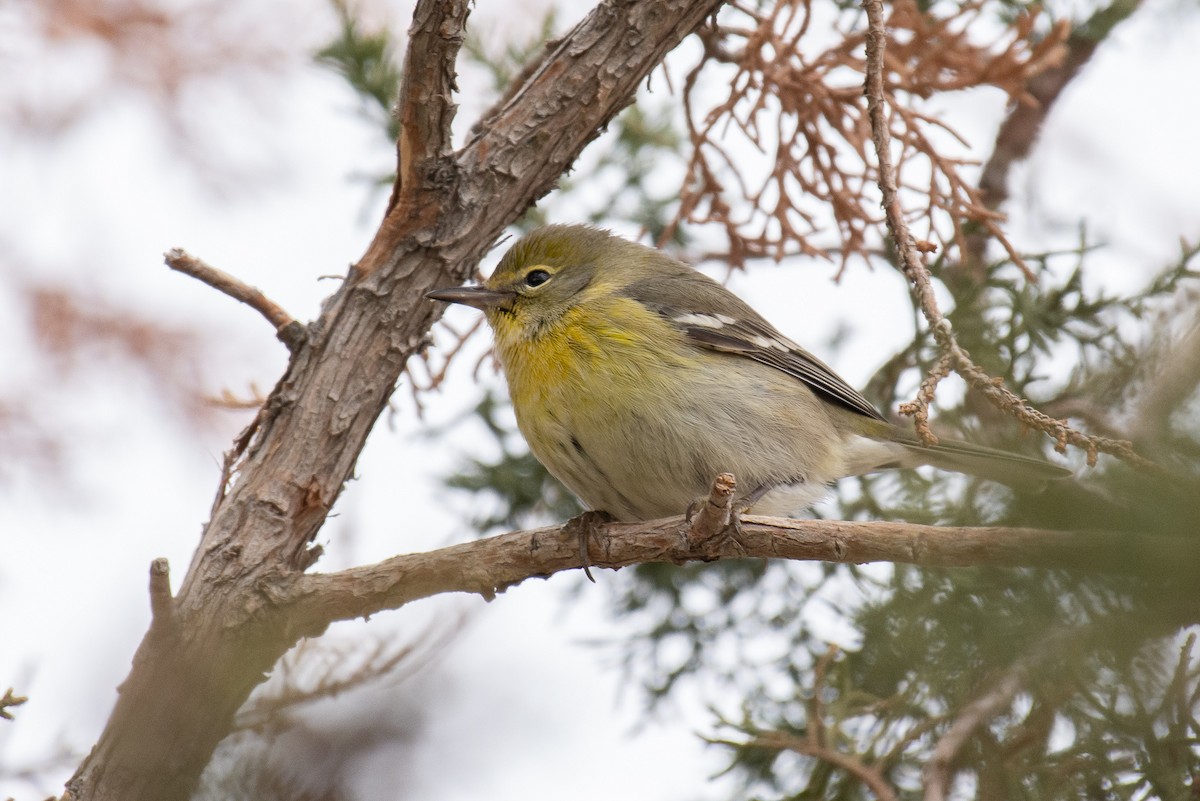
x: 636, y: 380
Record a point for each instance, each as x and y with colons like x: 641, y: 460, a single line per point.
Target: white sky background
x: 523, y: 710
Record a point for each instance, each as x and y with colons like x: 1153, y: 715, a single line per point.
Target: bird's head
x: 541, y: 277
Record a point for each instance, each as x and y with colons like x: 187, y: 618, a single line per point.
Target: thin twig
x: 289, y: 332
x: 815, y: 709
x: 918, y: 275
x: 918, y: 408
x: 287, y: 692
x: 1175, y: 697
x: 227, y: 400
x: 1171, y: 380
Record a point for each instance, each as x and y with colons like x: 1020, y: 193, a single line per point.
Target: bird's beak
x: 478, y: 296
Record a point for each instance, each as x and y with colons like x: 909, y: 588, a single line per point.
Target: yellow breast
x: 595, y: 352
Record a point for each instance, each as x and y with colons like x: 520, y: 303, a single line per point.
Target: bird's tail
x: 977, y: 460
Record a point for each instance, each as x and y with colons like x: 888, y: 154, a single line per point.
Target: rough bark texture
x: 200, y: 660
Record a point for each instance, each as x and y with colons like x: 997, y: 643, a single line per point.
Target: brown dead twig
x: 914, y: 268
x: 290, y: 333
x: 431, y: 375
x: 867, y: 774
x: 805, y: 114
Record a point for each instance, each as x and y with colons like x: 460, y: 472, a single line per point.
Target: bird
x: 636, y: 379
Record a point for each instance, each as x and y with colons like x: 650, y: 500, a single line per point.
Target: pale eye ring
x: 536, y: 277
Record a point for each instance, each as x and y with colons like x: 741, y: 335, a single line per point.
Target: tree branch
x: 183, y: 691
x: 289, y: 332
x: 1021, y: 128
x: 489, y: 566
x: 939, y: 770
x: 425, y: 110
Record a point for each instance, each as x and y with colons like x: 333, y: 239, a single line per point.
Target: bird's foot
x: 583, y: 526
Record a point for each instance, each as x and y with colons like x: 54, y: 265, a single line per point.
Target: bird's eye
x: 536, y: 277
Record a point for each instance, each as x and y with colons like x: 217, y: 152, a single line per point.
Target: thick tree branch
x: 425, y: 110
x: 184, y: 689
x: 486, y: 567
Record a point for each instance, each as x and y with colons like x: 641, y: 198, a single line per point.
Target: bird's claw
x: 583, y: 526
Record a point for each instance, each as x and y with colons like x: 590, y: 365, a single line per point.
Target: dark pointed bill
x: 478, y: 296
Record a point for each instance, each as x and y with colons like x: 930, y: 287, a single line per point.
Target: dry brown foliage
x: 168, y: 60
x: 796, y: 96
x: 73, y: 332
x: 73, y: 60
x: 154, y: 48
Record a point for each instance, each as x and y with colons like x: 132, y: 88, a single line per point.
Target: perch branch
x: 289, y: 332
x: 485, y: 567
